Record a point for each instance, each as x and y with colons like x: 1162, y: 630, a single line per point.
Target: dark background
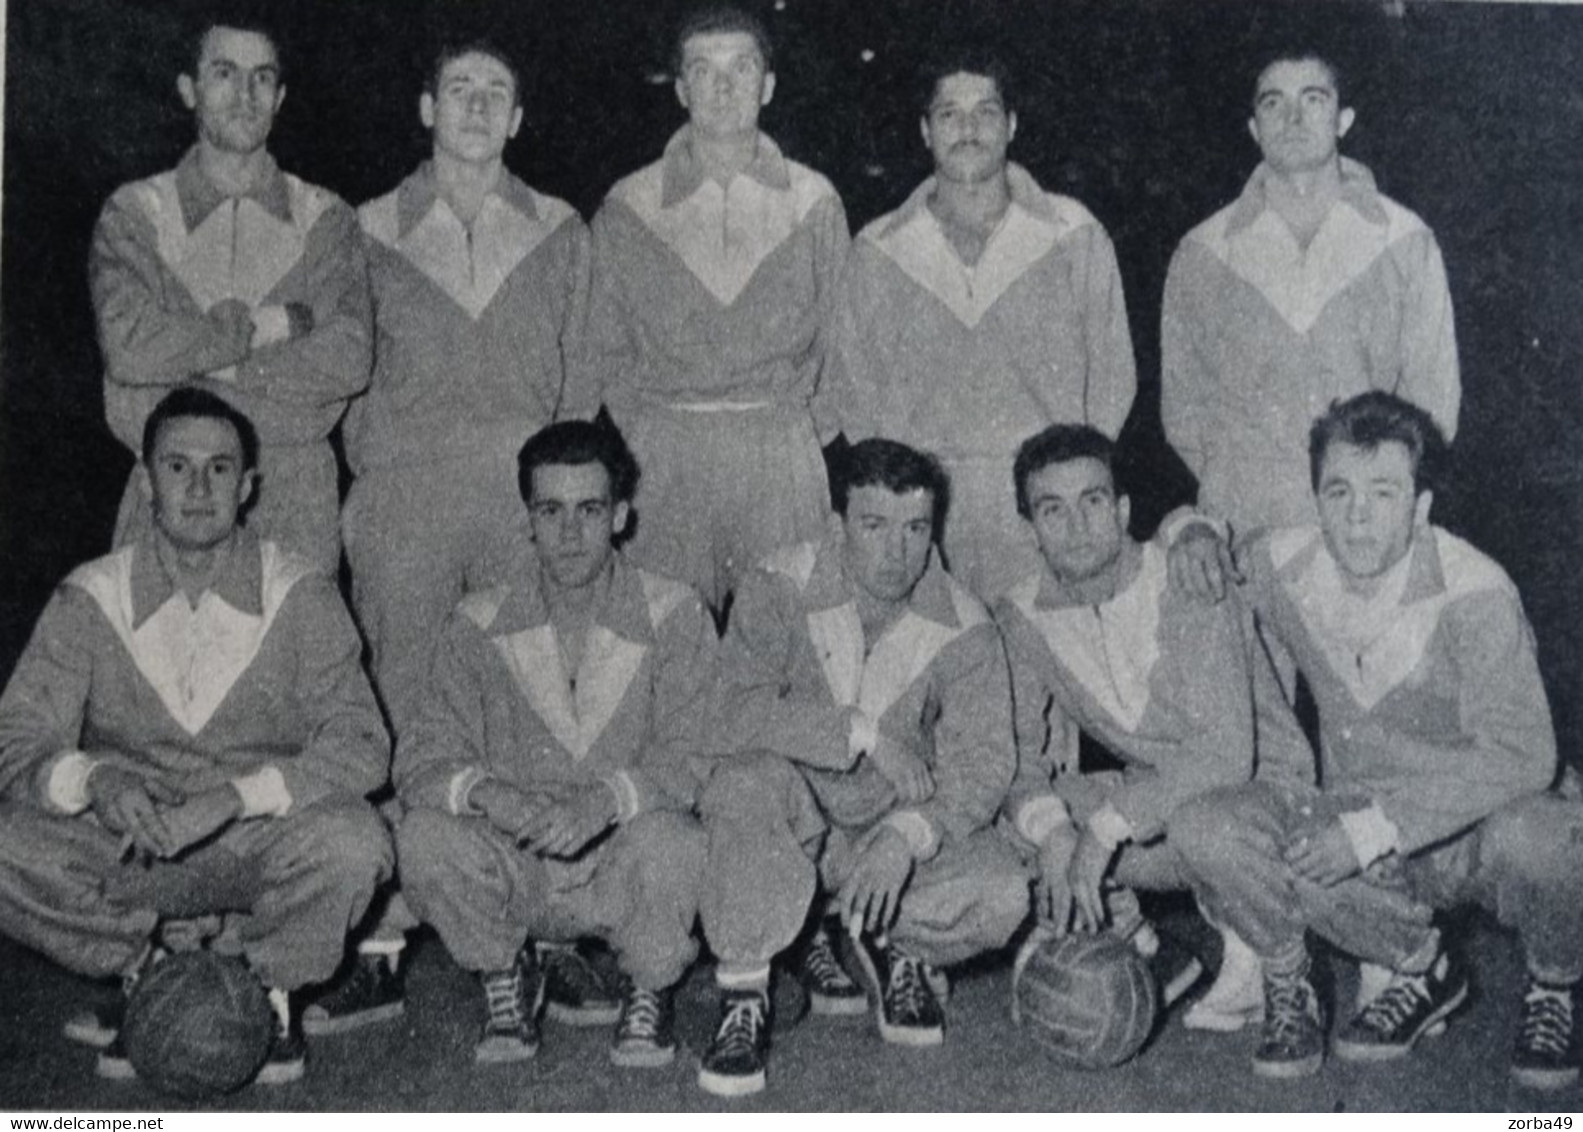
x: 1467, y: 113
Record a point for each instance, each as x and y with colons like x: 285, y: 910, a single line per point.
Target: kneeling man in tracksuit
x: 867, y: 693
x: 546, y: 774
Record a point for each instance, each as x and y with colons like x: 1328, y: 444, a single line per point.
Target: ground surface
x: 424, y: 1062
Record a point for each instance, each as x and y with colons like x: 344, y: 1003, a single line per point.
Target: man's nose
x: 198, y: 485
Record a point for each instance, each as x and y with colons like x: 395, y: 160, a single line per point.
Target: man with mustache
x: 981, y: 308
x: 230, y: 269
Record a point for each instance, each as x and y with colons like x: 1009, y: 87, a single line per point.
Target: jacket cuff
x: 917, y: 831
x: 1372, y: 834
x: 66, y: 788
x: 1177, y: 522
x: 300, y: 318
x: 626, y: 792
x: 264, y: 793
x: 1039, y: 815
x: 1109, y: 828
x: 459, y: 793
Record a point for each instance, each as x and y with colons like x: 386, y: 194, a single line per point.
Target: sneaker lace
x: 1395, y: 1004
x: 907, y: 989
x: 1547, y: 1021
x: 641, y: 1017
x: 503, y: 996
x: 1287, y: 1004
x: 822, y: 964
x: 739, y: 1029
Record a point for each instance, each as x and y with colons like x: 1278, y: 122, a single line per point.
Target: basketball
x: 197, y: 1025
x: 1087, y: 1000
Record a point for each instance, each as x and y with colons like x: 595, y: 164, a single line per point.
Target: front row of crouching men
x: 188, y: 742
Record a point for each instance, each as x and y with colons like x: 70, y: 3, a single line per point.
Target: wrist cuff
x: 264, y: 793
x: 626, y: 794
x: 1372, y: 834
x: 916, y: 831
x: 1039, y: 815
x: 1177, y: 522
x: 459, y: 795
x: 67, y: 789
x: 1109, y: 828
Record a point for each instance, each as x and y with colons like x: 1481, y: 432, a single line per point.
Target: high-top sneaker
x: 909, y: 1013
x: 370, y: 991
x: 734, y: 1063
x: 513, y: 999
x: 1409, y: 1007
x: 1292, y: 1042
x: 98, y: 1027
x: 1236, y: 997
x: 645, y: 1037
x: 830, y: 989
x: 1546, y: 1056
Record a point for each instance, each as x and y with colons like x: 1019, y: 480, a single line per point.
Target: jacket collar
x: 199, y: 196
x: 620, y: 607
x: 421, y: 189
x: 1025, y: 193
x: 240, y: 583
x: 682, y: 173
x: 1140, y: 559
x: 1357, y: 190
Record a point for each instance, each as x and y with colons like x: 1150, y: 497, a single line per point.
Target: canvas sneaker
x: 909, y: 1013
x: 370, y: 991
x: 1409, y: 1007
x: 734, y: 1064
x: 288, y: 1051
x: 1292, y: 1041
x: 513, y: 999
x: 830, y: 989
x: 645, y: 1037
x: 1547, y: 1039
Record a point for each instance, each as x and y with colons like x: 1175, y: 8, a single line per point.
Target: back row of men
x: 867, y: 744
x: 720, y: 311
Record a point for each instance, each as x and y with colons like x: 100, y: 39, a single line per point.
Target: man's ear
x: 280, y: 98
x: 1124, y: 512
x: 925, y: 132
x: 426, y: 110
x: 1344, y: 121
x: 619, y: 516
x: 769, y: 89
x: 145, y: 482
x: 248, y: 485
x: 188, y: 92
x: 681, y: 93
x: 516, y: 122
x: 1426, y: 499
x: 1011, y: 127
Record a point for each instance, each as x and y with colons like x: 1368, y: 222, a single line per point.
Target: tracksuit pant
x: 771, y: 848
x: 637, y: 890
x: 1524, y: 863
x: 300, y: 883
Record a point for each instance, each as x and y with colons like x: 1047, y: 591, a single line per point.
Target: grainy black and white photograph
x: 791, y: 555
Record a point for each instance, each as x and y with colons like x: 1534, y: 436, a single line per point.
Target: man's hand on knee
x: 129, y: 804
x: 871, y: 896
x: 506, y: 807
x: 1323, y: 854
x: 200, y: 817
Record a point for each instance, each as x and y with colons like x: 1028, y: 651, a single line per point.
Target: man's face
x: 887, y: 539
x: 474, y: 110
x: 574, y: 521
x: 195, y: 483
x: 1080, y: 524
x: 236, y: 91
x: 724, y: 83
x: 967, y: 129
x: 1367, y: 508
x: 1297, y: 117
